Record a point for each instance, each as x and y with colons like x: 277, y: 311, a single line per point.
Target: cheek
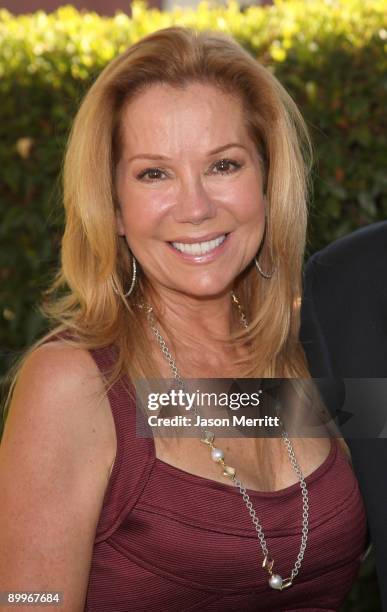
x: 254, y: 210
x: 141, y: 208
x: 247, y: 200
x: 250, y: 207
x: 142, y: 213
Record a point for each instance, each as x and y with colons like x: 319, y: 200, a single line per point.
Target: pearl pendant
x: 276, y: 582
x: 217, y: 454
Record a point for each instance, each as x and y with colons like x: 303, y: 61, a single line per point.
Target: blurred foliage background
x: 329, y: 54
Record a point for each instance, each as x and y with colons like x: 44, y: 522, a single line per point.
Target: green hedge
x: 329, y: 54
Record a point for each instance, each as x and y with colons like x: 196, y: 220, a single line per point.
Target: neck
x: 192, y: 328
x: 201, y: 318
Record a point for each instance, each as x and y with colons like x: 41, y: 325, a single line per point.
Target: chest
x: 189, y: 544
x: 261, y: 464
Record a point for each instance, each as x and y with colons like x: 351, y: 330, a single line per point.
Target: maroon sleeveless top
x: 170, y: 541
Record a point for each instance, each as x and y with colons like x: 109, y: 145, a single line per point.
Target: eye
x: 151, y: 174
x: 226, y: 166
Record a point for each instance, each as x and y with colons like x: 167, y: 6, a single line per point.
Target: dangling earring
x: 267, y: 275
x: 134, y: 275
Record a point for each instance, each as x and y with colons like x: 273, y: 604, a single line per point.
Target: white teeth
x: 199, y: 248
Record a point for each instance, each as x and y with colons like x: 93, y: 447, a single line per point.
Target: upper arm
x: 54, y: 464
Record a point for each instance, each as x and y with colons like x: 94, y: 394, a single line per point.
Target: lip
x: 206, y: 257
x: 206, y: 238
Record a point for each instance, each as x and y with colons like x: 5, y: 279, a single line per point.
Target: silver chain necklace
x: 275, y: 580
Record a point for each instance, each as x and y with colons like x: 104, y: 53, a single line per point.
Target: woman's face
x: 189, y: 185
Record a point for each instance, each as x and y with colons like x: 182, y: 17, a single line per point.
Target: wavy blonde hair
x: 94, y: 257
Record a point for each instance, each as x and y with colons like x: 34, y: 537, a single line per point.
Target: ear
x: 119, y: 222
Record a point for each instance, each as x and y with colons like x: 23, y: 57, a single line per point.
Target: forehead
x: 197, y: 116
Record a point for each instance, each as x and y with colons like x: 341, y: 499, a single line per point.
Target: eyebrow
x: 230, y: 145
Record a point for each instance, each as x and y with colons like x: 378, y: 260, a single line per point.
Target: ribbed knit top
x: 170, y: 541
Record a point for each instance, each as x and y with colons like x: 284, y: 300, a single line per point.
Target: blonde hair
x: 94, y: 257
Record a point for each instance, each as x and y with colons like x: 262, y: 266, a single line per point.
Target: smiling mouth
x: 199, y: 248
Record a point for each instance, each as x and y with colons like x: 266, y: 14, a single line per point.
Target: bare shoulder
x: 62, y: 384
x: 55, y: 457
x: 60, y: 390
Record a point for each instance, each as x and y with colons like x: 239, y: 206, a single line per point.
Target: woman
x: 185, y: 186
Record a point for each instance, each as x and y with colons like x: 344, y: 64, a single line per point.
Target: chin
x: 206, y: 290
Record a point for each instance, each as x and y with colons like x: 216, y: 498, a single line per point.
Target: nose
x: 193, y: 203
